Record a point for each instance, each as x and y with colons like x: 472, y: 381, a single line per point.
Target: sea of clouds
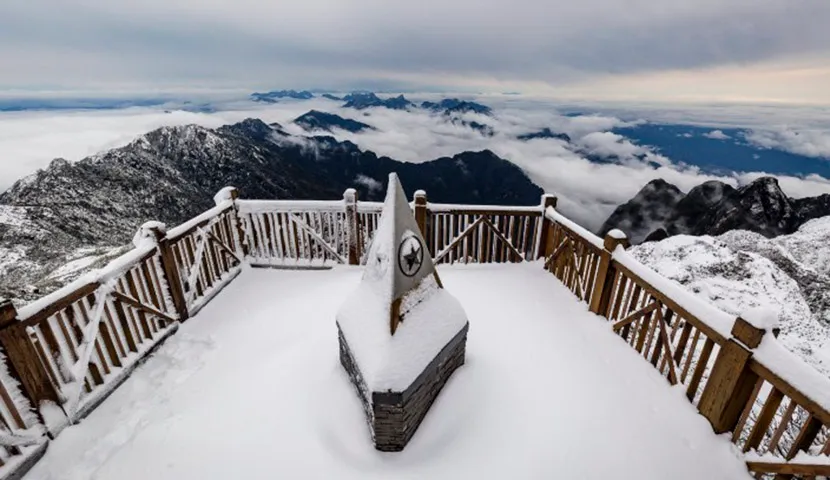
x: 588, y: 191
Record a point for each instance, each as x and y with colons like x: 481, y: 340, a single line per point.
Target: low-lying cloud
x: 588, y: 191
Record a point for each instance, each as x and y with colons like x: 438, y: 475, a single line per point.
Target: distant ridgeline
x: 660, y: 210
x: 73, y: 210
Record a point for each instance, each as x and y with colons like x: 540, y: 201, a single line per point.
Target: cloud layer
x: 588, y: 191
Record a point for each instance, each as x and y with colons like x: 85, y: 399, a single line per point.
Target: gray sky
x: 770, y: 50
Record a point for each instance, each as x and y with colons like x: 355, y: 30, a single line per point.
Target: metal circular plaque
x: 410, y: 256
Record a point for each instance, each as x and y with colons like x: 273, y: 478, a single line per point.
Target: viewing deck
x: 581, y: 361
x: 252, y: 388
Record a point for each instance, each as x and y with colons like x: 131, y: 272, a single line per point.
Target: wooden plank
x: 782, y: 426
x: 45, y: 359
x: 684, y: 339
x: 504, y: 240
x: 467, y: 231
x: 709, y: 331
x: 61, y: 303
x: 192, y: 229
x: 636, y: 315
x: 313, y: 236
x: 806, y: 437
x: 149, y: 284
x: 142, y: 307
x: 729, y: 386
x: 170, y: 268
x: 95, y: 373
x: 690, y: 355
x: 762, y: 423
x: 621, y: 283
x: 142, y: 317
x: 667, y: 345
x: 530, y: 212
x: 125, y: 326
x: 700, y: 368
x: 808, y: 404
x: 70, y: 342
x: 25, y: 365
x: 11, y: 407
x: 803, y: 469
x: 739, y: 428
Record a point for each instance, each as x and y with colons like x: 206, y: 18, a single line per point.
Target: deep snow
x: 252, y: 388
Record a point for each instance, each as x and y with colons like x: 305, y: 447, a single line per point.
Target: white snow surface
x: 760, y: 317
x: 721, y: 274
x: 252, y: 388
x: 392, y: 362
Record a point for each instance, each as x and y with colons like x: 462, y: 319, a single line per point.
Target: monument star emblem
x: 410, y: 256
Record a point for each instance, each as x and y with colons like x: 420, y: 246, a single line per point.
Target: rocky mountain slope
x: 660, y: 210
x: 789, y: 274
x: 316, y: 120
x: 85, y: 210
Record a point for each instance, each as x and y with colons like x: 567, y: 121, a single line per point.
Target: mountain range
x: 450, y: 106
x: 276, y: 95
x: 661, y: 210
x: 544, y: 133
x: 361, y: 101
x: 84, y: 211
x: 315, y: 120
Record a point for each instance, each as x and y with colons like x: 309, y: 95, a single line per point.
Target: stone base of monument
x: 395, y: 416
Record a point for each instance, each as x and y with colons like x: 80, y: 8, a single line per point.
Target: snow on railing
x: 308, y: 232
x: 65, y: 352
x: 733, y: 370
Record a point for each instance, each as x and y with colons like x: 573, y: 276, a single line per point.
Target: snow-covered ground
x: 741, y: 270
x: 252, y: 388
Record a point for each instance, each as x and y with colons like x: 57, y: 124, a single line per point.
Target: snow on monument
x: 401, y: 333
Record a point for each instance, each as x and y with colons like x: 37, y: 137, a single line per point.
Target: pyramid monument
x: 402, y: 335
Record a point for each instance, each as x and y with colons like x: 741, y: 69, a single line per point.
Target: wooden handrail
x: 732, y: 386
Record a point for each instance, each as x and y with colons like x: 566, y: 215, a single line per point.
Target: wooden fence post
x: 420, y: 200
x: 546, y: 226
x: 171, y: 273
x: 237, y: 223
x: 604, y: 282
x: 352, y: 226
x: 731, y: 382
x: 23, y: 361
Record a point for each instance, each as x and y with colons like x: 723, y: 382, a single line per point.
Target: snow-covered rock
x: 741, y: 271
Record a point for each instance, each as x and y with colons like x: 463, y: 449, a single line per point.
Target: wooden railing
x: 479, y: 234
x: 776, y: 407
x: 66, y: 352
x: 63, y: 354
x: 287, y: 233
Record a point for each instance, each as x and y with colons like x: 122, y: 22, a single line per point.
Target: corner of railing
x: 732, y: 381
x: 23, y: 362
x: 545, y: 246
x: 419, y: 199
x: 157, y: 232
x: 604, y: 280
x: 232, y: 194
x: 352, y: 225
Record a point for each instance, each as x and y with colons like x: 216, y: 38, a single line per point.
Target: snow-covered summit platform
x: 252, y: 388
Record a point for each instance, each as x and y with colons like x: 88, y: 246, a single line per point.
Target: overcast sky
x: 747, y: 50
